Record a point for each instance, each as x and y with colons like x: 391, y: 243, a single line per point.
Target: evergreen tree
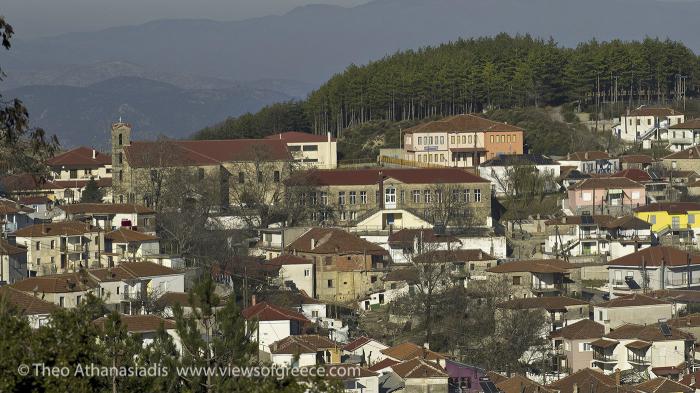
x: 92, y: 193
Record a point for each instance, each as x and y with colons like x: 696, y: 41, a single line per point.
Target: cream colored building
x: 644, y: 123
x: 318, y: 151
x: 61, y: 247
x: 634, y: 308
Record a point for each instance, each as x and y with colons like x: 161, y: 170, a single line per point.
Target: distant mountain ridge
x: 82, y: 115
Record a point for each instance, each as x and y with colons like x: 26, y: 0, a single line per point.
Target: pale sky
x: 33, y: 18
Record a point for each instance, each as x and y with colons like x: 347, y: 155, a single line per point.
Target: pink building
x: 605, y: 195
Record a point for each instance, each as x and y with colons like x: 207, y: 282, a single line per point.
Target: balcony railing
x: 73, y: 248
x: 128, y: 296
x: 603, y: 358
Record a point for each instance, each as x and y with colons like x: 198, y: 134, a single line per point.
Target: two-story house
x: 679, y: 220
x: 59, y: 247
x: 13, y: 216
x: 500, y: 171
x: 633, y: 308
x: 643, y: 348
x: 460, y: 141
x: 684, y: 160
x: 572, y: 345
x: 267, y: 323
x: 13, y: 262
x: 540, y: 277
x: 347, y: 267
x: 64, y: 290
x: 605, y: 195
x: 71, y: 171
x: 684, y: 135
x: 304, y: 350
x: 124, y: 244
x: 646, y: 123
x: 561, y: 311
x: 654, y: 268
x: 35, y: 310
x: 590, y: 162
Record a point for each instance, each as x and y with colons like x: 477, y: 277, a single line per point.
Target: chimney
x: 252, y: 300
x: 575, y: 388
x: 481, y: 254
x: 617, y: 377
x: 94, y: 154
x: 426, y: 345
x: 585, y: 155
x: 313, y: 243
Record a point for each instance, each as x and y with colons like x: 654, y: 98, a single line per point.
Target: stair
x: 647, y: 134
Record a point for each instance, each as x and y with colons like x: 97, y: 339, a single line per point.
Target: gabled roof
x: 333, y: 241
x: 419, y: 368
x: 442, y: 256
x: 655, y: 256
x: 406, y: 236
x: 130, y: 271
x: 406, y: 274
x: 581, y: 330
x: 663, y: 385
x: 463, y: 123
x: 677, y: 295
x: 306, y: 343
x: 170, y: 299
x: 518, y: 159
x: 34, y: 200
x: 635, y: 174
x: 521, y: 384
x: 356, y: 177
x: 57, y: 283
x: 669, y: 207
x: 633, y: 300
x: 289, y: 259
x: 692, y: 124
x: 80, y: 157
x: 26, y: 304
x: 299, y: 137
x: 587, y: 156
x: 605, y: 183
x: 359, y: 342
x: 586, y: 380
x: 534, y: 266
x: 648, y: 333
x: 628, y: 222
x: 409, y: 350
x: 656, y: 112
x: 11, y: 207
x: 139, y: 323
x: 126, y: 235
x: 264, y: 311
x: 177, y: 153
x: 691, y: 153
x: 549, y: 303
x: 636, y: 159
x: 382, y: 364
x: 105, y: 208
x: 604, y: 343
x: 24, y: 181
x: 6, y: 248
x: 66, y: 228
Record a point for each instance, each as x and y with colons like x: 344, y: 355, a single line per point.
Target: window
x: 516, y: 280
x: 438, y: 196
x: 430, y: 140
x: 639, y: 122
x: 200, y: 173
x: 38, y: 261
x: 353, y: 215
x: 452, y: 139
x: 61, y: 299
x: 402, y: 196
x: 341, y: 197
x: 491, y: 138
x: 363, y: 197
x: 471, y: 266
x: 586, y: 347
x: 120, y: 138
x: 314, y: 314
x: 53, y: 244
x: 77, y: 299
x: 310, y: 148
x: 330, y: 283
x: 586, y: 196
x: 373, y: 279
x: 307, y: 272
x: 455, y: 195
x: 121, y: 157
x: 635, y: 194
x: 420, y: 140
x: 260, y: 177
x: 470, y: 139
x: 464, y: 139
x: 442, y: 140
x: 353, y: 197
x: 37, y: 246
x: 691, y: 218
x: 427, y: 196
x: 466, y: 195
x: 73, y: 174
x: 477, y: 195
x: 241, y: 177
x: 390, y: 196
x: 294, y: 148
x: 117, y: 290
x: 416, y: 196
x: 324, y: 198
x: 276, y: 176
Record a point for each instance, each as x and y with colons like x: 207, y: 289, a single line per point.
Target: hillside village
x: 457, y: 262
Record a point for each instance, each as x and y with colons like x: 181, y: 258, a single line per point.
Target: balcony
x: 73, y: 248
x: 130, y: 296
x: 603, y: 358
x: 641, y: 361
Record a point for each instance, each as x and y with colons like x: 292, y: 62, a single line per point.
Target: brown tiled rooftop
x: 520, y: 384
x: 126, y: 235
x: 57, y: 283
x: 632, y: 300
x: 586, y: 380
x: 463, y: 123
x: 653, y: 256
x: 264, y: 311
x: 65, y: 228
x: 299, y: 137
x: 691, y: 153
x: 25, y: 303
x: 583, y: 329
x: 419, y: 368
x: 306, y: 343
x: 409, y: 350
x: 80, y: 157
x: 333, y: 241
x: 587, y: 155
x: 368, y: 177
x: 647, y: 333
x: 656, y: 112
x: 670, y: 207
x: 605, y: 183
x: 406, y: 237
x: 105, y: 208
x: 663, y: 385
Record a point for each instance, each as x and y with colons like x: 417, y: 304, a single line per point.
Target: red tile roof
x: 80, y: 157
x: 105, y: 208
x: 692, y: 124
x: 691, y: 153
x: 635, y: 174
x: 605, y: 183
x: 299, y: 137
x: 384, y: 363
x: 174, y: 153
x: 669, y: 207
x: 653, y: 256
x: 581, y: 330
x: 333, y: 241
x: 663, y: 385
x: 463, y: 123
x: 648, y: 333
x: 633, y: 300
x: 264, y: 311
x: 409, y: 350
x: 34, y: 200
x: 406, y: 237
x: 357, y: 343
x: 11, y: 207
x: 356, y: 177
x: 534, y: 266
x: 656, y: 112
x: 521, y: 384
x: 140, y: 323
x: 57, y: 184
x: 289, y: 259
x: 66, y: 228
x: 305, y: 343
x: 7, y: 248
x: 584, y: 381
x: 419, y: 368
x: 26, y: 304
x: 57, y: 283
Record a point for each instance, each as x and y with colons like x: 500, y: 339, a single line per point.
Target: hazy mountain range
x: 241, y: 65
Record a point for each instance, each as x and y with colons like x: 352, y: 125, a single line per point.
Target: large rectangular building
x: 461, y: 141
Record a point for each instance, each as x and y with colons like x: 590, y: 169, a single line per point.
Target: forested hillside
x: 501, y: 72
